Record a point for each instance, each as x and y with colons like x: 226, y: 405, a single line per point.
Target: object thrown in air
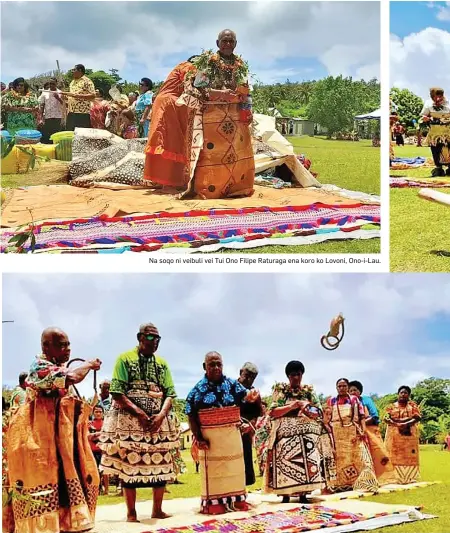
x: 333, y: 338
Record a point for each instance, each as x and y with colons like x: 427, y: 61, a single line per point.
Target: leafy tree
x: 409, y: 105
x: 336, y: 101
x: 102, y: 80
x: 433, y: 397
x: 179, y: 406
x: 114, y: 73
x: 6, y: 392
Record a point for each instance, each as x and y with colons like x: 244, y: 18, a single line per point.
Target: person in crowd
x: 95, y: 428
x: 99, y: 110
x: 132, y: 97
x: 80, y: 98
x: 437, y: 103
x: 105, y: 400
x: 113, y: 120
x: 63, y: 470
x: 402, y: 436
x: 19, y: 395
x: 249, y: 414
x: 128, y: 126
x: 167, y: 150
x: 143, y: 106
x: 300, y: 455
x: 399, y: 131
x: 384, y: 469
x: 213, y: 409
x: 140, y: 419
x: 20, y: 107
x: 263, y: 429
x: 51, y: 110
x: 447, y: 442
x: 354, y: 465
x: 187, y: 147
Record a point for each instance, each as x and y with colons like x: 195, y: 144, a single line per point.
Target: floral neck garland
x: 220, y: 72
x: 285, y: 388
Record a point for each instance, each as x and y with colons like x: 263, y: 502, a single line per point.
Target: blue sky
x: 411, y: 17
x: 397, y: 325
x: 295, y: 40
x: 420, y: 46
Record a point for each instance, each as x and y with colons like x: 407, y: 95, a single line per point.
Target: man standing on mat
x: 80, y: 97
x: 139, y: 435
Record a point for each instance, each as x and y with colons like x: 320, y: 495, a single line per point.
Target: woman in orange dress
x: 402, y: 436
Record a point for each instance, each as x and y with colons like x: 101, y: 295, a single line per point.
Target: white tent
x: 266, y: 131
x: 375, y: 115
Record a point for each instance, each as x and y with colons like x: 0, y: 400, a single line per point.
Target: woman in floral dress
x: 20, y: 107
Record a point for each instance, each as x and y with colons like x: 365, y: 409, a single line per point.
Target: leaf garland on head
x: 216, y: 69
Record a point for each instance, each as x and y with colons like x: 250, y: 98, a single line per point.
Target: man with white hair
x: 250, y: 412
x: 105, y: 399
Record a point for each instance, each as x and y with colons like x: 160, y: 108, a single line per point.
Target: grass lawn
x: 435, y: 466
x: 350, y: 165
x: 417, y: 227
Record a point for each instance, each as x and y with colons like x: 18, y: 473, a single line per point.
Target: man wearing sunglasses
x: 139, y: 434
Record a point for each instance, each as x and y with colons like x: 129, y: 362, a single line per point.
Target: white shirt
x: 52, y: 108
x: 429, y: 108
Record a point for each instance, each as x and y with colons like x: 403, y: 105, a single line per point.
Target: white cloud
x: 266, y: 319
x: 145, y: 37
x: 443, y: 13
x: 421, y: 60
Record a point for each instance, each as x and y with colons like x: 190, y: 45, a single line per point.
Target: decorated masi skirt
x: 222, y: 467
x: 226, y: 165
x: 384, y: 469
x: 300, y: 457
x: 439, y: 136
x: 52, y: 471
x: 354, y: 465
x: 139, y: 458
x: 404, y: 453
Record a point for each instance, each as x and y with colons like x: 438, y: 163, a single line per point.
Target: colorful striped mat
x: 299, y: 519
x: 403, y: 182
x: 195, y: 229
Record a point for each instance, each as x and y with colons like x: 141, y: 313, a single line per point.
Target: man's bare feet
x: 161, y: 515
x: 132, y: 517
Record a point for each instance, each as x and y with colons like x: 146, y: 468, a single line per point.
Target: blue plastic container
x: 28, y: 136
x: 5, y: 135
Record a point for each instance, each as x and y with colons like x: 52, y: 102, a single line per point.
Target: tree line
x: 408, y: 107
x: 332, y: 102
x: 432, y: 395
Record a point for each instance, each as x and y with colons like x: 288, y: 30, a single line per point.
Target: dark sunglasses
x: 152, y: 338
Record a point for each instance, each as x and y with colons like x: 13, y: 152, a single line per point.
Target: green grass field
x: 435, y: 466
x: 417, y: 227
x: 350, y: 165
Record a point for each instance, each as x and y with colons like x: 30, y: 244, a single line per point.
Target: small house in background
x: 185, y: 436
x: 295, y: 126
